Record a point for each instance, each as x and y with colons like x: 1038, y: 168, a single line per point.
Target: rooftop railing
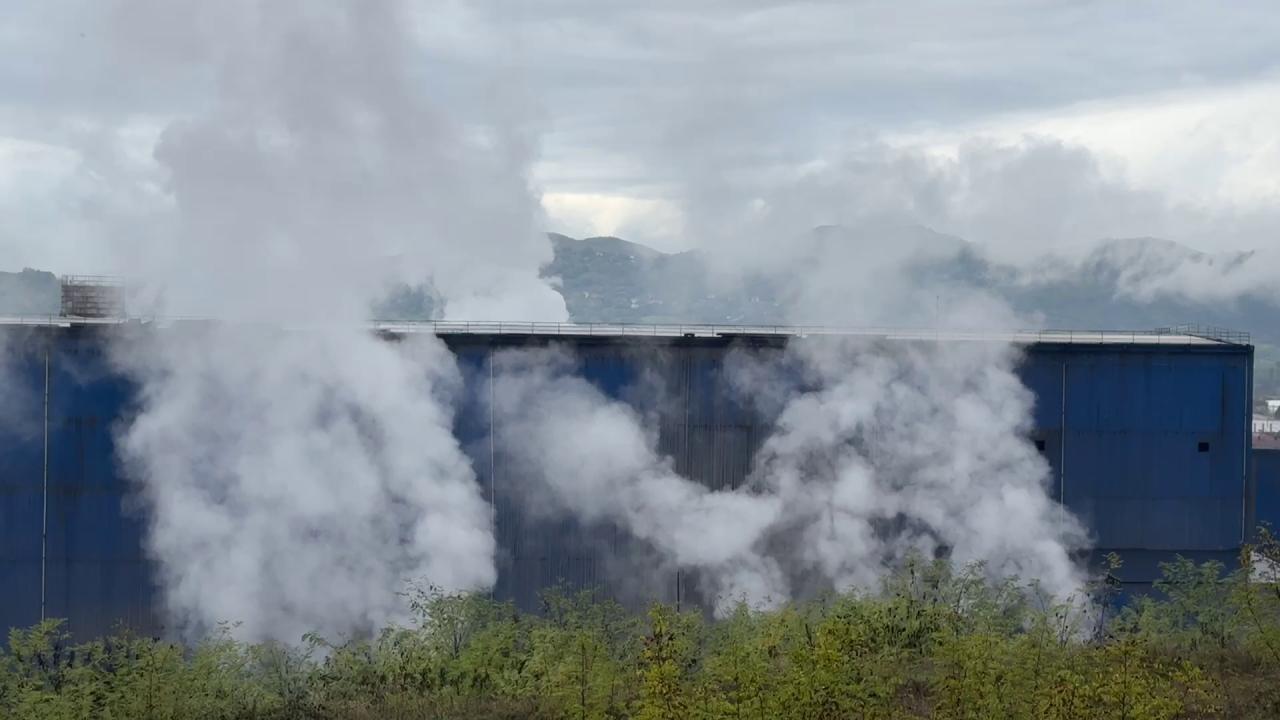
x: 1179, y: 335
x: 1211, y: 332
x: 1167, y: 335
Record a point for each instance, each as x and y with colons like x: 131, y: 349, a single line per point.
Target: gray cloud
x: 630, y: 99
x: 1040, y: 204
x: 788, y: 79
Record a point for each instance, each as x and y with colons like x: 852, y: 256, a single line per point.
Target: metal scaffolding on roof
x: 92, y: 296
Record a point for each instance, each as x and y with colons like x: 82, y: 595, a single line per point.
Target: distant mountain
x: 1120, y: 284
x: 1113, y: 287
x: 1130, y: 283
x: 1146, y: 283
x: 607, y: 279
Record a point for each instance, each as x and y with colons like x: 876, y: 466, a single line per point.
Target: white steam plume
x: 912, y: 447
x: 892, y: 447
x: 900, y: 448
x: 591, y: 457
x: 295, y: 479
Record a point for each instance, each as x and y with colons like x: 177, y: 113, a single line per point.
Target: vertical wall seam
x: 687, y: 378
x: 493, y: 467
x: 1245, y: 530
x: 44, y: 488
x: 1062, y: 443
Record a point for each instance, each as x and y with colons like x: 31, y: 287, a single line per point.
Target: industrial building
x: 1148, y: 435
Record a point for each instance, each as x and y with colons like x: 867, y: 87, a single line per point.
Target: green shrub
x: 932, y: 642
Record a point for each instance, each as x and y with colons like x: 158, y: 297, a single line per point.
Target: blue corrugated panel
x: 1154, y: 455
x: 21, y: 474
x: 1266, y: 468
x: 1128, y: 460
x: 98, y: 574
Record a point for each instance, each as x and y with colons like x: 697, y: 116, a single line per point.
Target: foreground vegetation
x: 932, y: 644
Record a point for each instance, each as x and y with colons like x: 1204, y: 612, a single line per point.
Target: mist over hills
x: 607, y: 279
x: 1120, y: 284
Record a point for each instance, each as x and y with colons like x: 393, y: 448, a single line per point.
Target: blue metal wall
x: 21, y: 474
x: 1156, y: 441
x: 1266, y: 464
x: 85, y: 543
x: 1149, y: 445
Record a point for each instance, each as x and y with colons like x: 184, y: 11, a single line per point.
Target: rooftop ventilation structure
x: 92, y: 296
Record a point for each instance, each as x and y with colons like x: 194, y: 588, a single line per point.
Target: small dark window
x: 1203, y: 447
x: 1040, y: 445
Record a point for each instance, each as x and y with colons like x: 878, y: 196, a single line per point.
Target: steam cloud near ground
x: 592, y: 458
x: 881, y: 450
x: 914, y: 448
x: 295, y: 477
x: 296, y: 470
x: 902, y: 448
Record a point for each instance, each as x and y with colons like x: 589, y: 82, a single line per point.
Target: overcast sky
x: 1025, y: 126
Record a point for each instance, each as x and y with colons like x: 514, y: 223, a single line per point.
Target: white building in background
x: 1273, y: 406
x: 1265, y: 424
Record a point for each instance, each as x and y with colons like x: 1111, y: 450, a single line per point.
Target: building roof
x: 1182, y: 335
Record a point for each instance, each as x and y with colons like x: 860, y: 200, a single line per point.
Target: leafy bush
x: 932, y: 642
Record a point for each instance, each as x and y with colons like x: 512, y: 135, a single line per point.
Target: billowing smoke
x: 296, y: 470
x: 880, y: 449
x: 295, y: 480
x: 320, y: 169
x: 911, y: 447
x: 593, y: 458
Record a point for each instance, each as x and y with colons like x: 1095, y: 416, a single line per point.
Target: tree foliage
x: 932, y: 642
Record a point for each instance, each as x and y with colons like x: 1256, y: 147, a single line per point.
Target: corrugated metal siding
x: 1266, y: 468
x: 1154, y: 442
x: 21, y: 475
x: 1127, y: 460
x: 94, y: 569
x: 97, y: 569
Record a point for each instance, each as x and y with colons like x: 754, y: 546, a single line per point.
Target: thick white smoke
x: 296, y: 480
x: 320, y: 169
x: 589, y: 456
x: 296, y: 470
x: 912, y: 447
x: 881, y: 448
